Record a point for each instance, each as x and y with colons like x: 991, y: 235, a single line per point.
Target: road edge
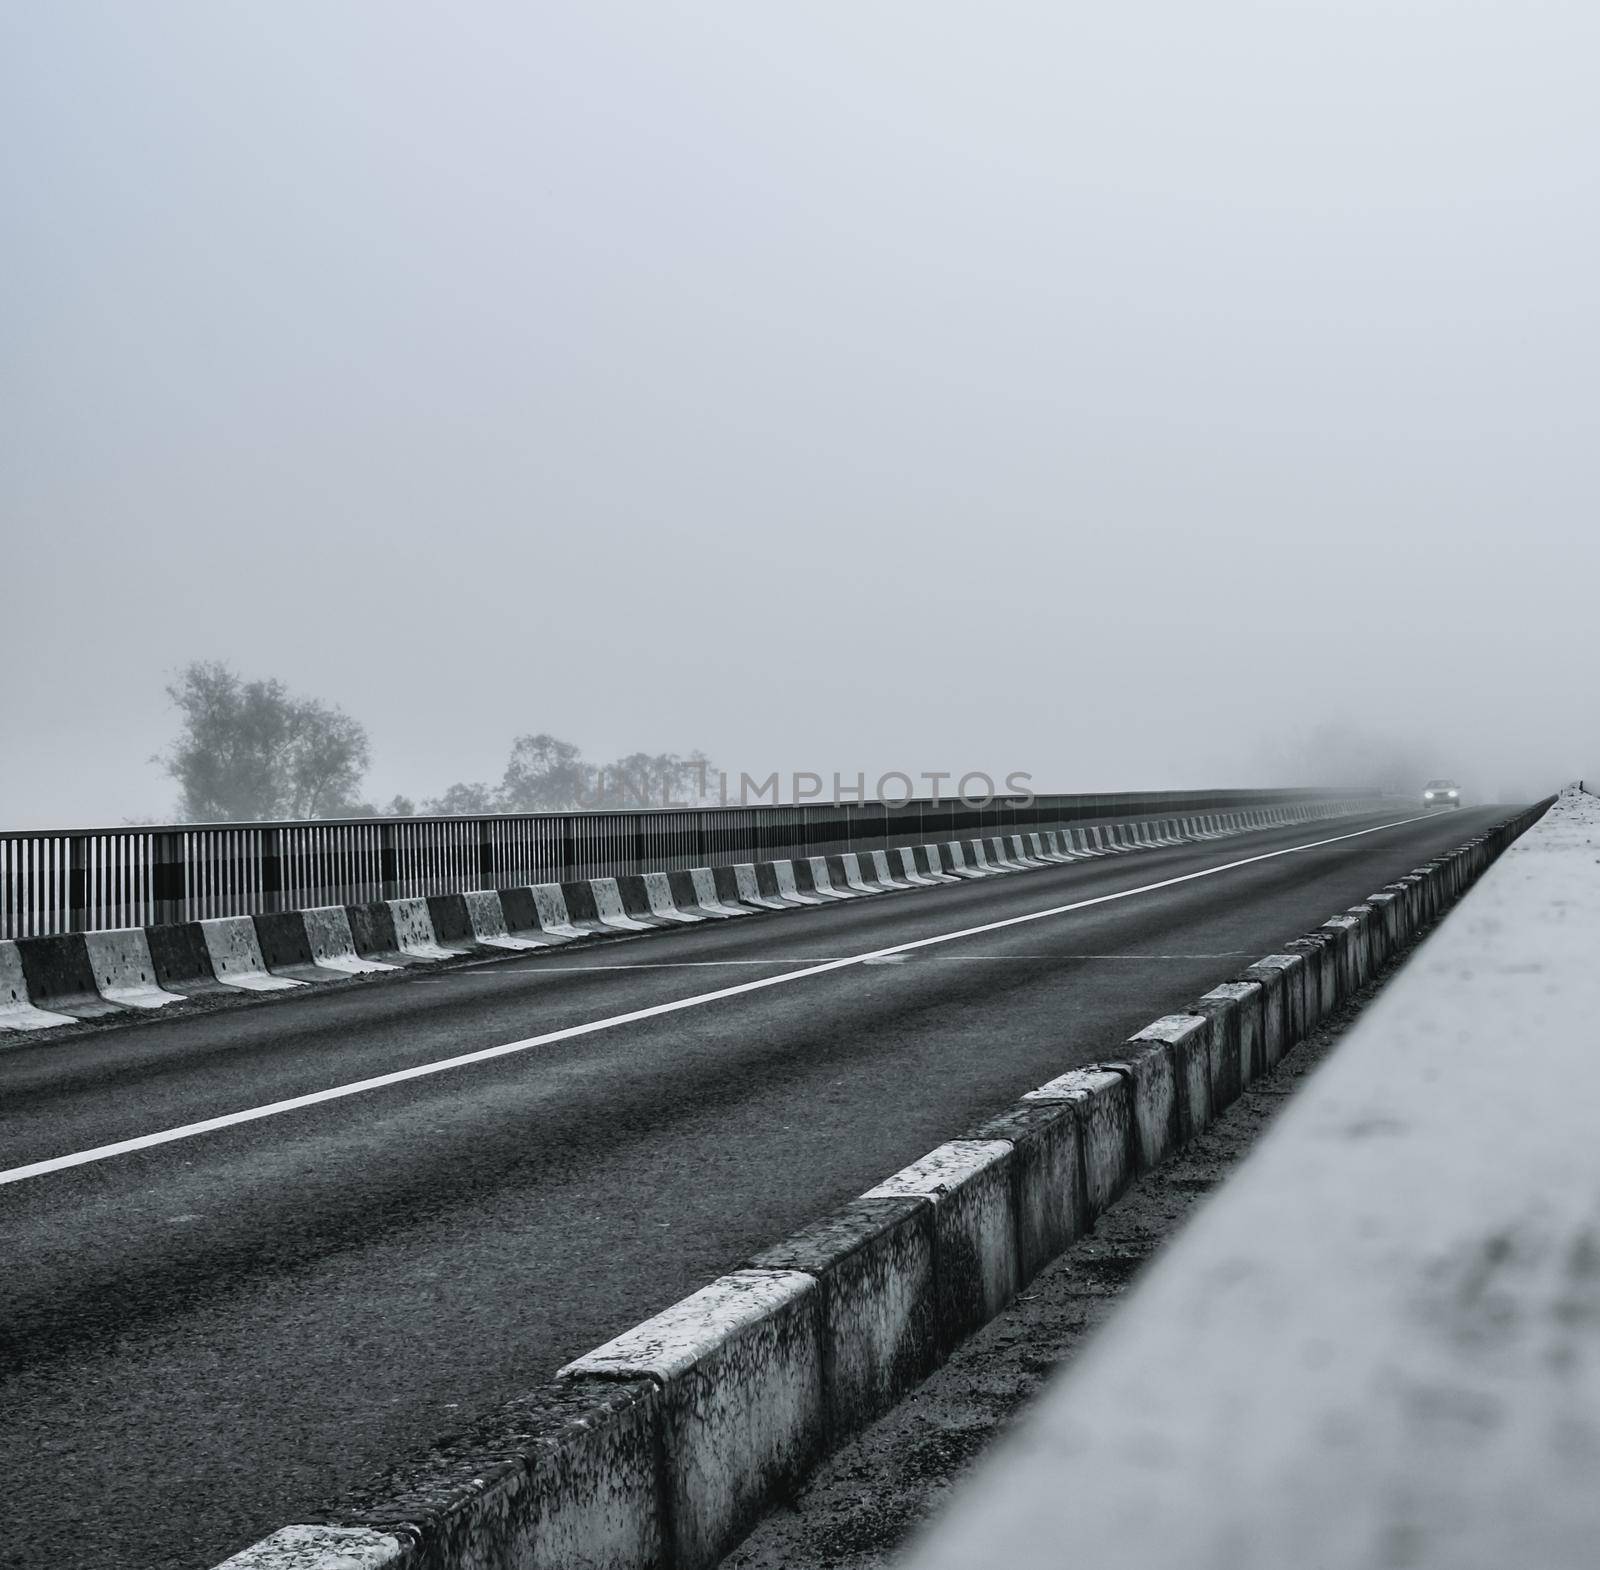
x: 664, y: 1446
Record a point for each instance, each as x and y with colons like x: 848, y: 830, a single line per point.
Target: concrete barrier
x: 1083, y: 844
x: 123, y: 971
x: 767, y: 882
x: 414, y: 932
x: 859, y: 865
x: 786, y: 888
x: 1192, y: 1053
x: 372, y: 932
x: 820, y: 874
x: 566, y: 1475
x: 979, y: 857
x: 17, y: 1009
x: 1013, y: 853
x: 685, y: 898
x: 524, y: 918
x: 60, y: 978
x: 181, y: 960
x: 550, y: 907
x: 1048, y: 1207
x: 969, y: 1185
x: 1023, y: 854
x: 609, y: 909
x: 1044, y: 849
x: 1234, y: 1009
x: 1149, y: 1066
x: 636, y: 901
x: 662, y: 902
x: 739, y: 1368
x: 997, y: 854
x: 854, y: 879
x: 1285, y: 974
x: 710, y: 897
x: 326, y: 1547
x: 1107, y: 1131
x: 577, y: 901
x: 332, y: 942
x: 954, y: 862
x: 286, y: 950
x: 337, y: 942
x: 749, y: 891
x: 875, y: 1265
x: 885, y: 874
x: 1320, y: 952
x: 486, y: 917
x: 236, y: 958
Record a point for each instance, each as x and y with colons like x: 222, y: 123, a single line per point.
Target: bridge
x: 378, y: 1188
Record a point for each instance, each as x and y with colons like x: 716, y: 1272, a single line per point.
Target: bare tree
x: 252, y: 750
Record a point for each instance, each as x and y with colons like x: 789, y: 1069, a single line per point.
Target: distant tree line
x: 252, y: 750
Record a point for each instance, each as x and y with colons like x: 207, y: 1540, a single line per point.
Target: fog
x: 1138, y: 396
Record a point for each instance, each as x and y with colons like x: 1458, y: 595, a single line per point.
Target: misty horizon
x: 1140, y: 399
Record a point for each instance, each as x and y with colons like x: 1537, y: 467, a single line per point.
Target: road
x: 206, y: 1338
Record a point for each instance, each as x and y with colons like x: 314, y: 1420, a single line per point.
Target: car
x: 1441, y: 793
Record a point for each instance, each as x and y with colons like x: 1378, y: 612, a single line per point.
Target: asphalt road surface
x: 203, y: 1339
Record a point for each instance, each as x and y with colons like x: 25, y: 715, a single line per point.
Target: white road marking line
x: 571, y: 970
x: 966, y: 959
x: 359, y: 1087
x: 810, y: 959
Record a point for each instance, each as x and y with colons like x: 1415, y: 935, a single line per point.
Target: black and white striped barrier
x: 48, y: 982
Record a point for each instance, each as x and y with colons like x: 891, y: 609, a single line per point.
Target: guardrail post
x: 271, y: 870
x: 168, y: 878
x: 388, y: 861
x: 77, y: 889
x: 486, y: 878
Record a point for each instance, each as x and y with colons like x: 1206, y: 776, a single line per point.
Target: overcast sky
x: 1115, y: 392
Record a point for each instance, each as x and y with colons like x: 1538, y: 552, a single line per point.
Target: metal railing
x: 75, y: 880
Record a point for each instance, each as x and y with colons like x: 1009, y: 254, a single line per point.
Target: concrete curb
x: 670, y: 1440
x: 1379, y: 1339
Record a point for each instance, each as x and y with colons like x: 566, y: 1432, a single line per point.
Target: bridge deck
x: 210, y: 1337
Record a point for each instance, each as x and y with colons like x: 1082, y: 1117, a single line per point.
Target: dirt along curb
x: 864, y: 1503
